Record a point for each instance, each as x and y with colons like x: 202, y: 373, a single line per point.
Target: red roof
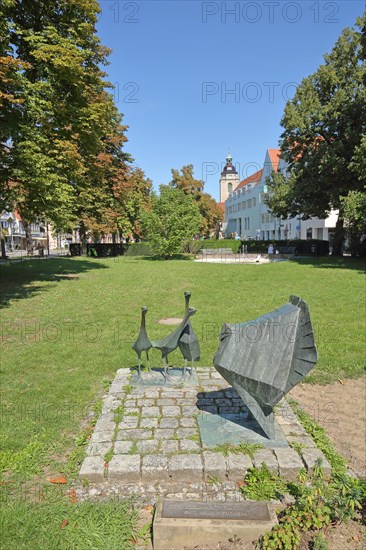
x: 251, y: 179
x: 274, y: 155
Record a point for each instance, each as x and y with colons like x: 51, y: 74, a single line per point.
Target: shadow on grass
x: 17, y: 281
x: 329, y: 262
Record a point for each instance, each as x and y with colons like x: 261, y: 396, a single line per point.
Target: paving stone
x: 165, y: 402
x: 210, y: 383
x: 128, y: 422
x: 102, y: 437
x: 186, y: 401
x: 150, y: 411
x: 138, y: 392
x: 170, y: 393
x: 292, y: 429
x: 289, y: 463
x: 124, y: 468
x: 168, y: 423
x: 303, y: 439
x: 311, y: 455
x: 238, y: 465
x: 154, y: 468
x: 145, y: 402
x: 189, y: 445
x: 183, y: 433
x: 147, y: 446
x: 130, y: 403
x: 266, y: 456
x: 185, y: 467
x: 98, y: 449
x: 189, y: 410
x: 223, y: 402
x: 149, y: 423
x: 214, y: 464
x: 92, y: 469
x: 187, y: 422
x: 169, y: 446
x: 134, y: 434
x: 204, y: 402
x: 104, y: 424
x: 170, y: 411
x: 164, y: 433
x: 122, y: 447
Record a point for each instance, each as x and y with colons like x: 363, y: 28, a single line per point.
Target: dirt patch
x: 170, y: 321
x: 340, y: 408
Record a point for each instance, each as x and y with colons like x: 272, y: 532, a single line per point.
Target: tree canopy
x: 173, y: 220
x: 323, y: 141
x: 211, y: 213
x: 62, y: 139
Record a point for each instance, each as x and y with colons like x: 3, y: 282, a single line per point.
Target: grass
x: 68, y: 325
x: 62, y: 525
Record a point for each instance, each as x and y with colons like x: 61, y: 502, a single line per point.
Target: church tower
x: 229, y: 179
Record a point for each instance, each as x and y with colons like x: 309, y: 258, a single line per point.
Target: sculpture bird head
x: 144, y: 309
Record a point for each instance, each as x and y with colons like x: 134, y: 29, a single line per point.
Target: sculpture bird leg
x: 166, y: 367
x: 139, y: 371
x: 184, y: 369
x: 148, y: 362
x: 192, y: 369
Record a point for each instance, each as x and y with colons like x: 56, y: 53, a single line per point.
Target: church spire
x: 229, y: 158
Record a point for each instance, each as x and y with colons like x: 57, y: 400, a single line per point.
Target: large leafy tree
x: 211, y: 213
x: 60, y: 120
x: 324, y: 125
x: 172, y: 220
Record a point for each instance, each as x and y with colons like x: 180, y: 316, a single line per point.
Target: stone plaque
x: 216, y: 510
x: 178, y: 523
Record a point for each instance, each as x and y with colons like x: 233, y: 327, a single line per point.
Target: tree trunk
x: 28, y: 235
x: 3, y: 251
x: 338, y: 238
x: 82, y: 234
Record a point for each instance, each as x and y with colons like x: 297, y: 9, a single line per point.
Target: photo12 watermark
x: 247, y: 92
x: 269, y: 12
x: 119, y: 11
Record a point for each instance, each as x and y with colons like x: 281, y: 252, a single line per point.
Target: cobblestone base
x: 146, y: 443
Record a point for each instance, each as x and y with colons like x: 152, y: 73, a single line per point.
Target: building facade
x: 247, y: 215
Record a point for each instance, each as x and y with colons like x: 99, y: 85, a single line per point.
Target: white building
x: 247, y: 215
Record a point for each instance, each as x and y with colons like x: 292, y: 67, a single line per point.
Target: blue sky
x: 194, y: 77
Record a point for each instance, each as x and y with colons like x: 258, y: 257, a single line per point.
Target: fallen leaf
x: 73, y: 496
x: 64, y: 523
x: 149, y: 507
x: 340, y: 381
x: 57, y: 480
x: 356, y: 538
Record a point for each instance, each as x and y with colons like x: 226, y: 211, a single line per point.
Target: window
x: 249, y: 203
x: 229, y: 187
x: 239, y: 206
x: 267, y: 218
x: 309, y: 233
x: 243, y: 205
x: 262, y: 218
x: 254, y: 201
x: 319, y: 233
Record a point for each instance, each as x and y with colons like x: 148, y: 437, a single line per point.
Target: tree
x: 211, y: 213
x: 323, y: 128
x: 173, y: 219
x: 60, y: 120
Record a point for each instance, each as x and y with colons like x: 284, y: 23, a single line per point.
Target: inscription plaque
x: 256, y: 511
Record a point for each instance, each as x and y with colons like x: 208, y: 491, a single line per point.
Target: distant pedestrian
x: 270, y: 252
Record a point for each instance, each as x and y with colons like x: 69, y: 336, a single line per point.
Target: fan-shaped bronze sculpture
x: 188, y: 342
x: 263, y: 359
x: 142, y: 343
x: 170, y: 343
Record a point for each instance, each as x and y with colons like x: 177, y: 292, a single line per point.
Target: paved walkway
x: 149, y: 441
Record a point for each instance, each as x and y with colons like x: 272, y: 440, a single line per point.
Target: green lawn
x: 68, y: 325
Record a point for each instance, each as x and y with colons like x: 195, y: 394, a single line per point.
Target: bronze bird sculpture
x: 170, y: 343
x: 265, y: 358
x: 142, y: 343
x: 188, y: 342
